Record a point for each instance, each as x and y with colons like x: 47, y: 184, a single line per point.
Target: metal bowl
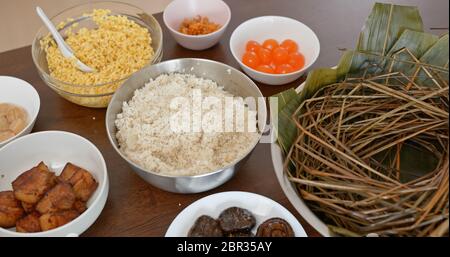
x: 231, y: 79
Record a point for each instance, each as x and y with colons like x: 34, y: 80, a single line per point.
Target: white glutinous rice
x: 146, y: 136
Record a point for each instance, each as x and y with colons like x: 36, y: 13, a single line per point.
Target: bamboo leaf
x: 286, y: 128
x: 325, y: 76
x: 402, y: 57
x: 283, y: 99
x: 409, y: 47
x: 437, y: 55
x: 384, y: 26
x: 416, y: 42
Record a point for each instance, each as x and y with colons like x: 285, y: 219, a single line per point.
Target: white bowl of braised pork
x: 52, y: 183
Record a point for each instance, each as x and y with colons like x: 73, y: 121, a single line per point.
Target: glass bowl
x: 98, y: 95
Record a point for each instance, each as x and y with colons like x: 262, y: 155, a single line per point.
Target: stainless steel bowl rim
x: 192, y: 176
x: 151, y: 61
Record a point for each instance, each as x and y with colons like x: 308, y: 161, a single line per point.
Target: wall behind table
x: 19, y: 22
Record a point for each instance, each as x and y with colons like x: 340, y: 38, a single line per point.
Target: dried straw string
x: 345, y: 126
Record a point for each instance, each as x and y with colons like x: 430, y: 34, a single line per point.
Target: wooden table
x: 135, y: 208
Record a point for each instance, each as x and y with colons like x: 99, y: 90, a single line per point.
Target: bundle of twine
x: 349, y: 162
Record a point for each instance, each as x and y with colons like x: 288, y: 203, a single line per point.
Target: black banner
x: 227, y: 246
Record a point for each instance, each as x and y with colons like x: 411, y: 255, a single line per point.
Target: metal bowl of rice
x: 141, y: 114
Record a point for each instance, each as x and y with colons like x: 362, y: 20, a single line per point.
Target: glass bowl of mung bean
x: 116, y: 39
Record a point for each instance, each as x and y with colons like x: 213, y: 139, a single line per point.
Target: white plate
x: 261, y: 207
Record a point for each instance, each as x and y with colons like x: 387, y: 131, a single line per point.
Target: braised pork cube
x: 53, y: 220
x: 28, y: 207
x: 83, y: 183
x: 60, y: 197
x: 42, y: 166
x: 79, y: 206
x: 31, y: 185
x: 10, y: 209
x: 68, y: 172
x: 29, y: 223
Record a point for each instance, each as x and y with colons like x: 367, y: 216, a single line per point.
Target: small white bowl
x: 279, y: 28
x: 261, y: 207
x: 56, y: 148
x: 21, y: 93
x: 216, y: 10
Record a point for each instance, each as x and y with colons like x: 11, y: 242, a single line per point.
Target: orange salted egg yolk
x: 272, y: 57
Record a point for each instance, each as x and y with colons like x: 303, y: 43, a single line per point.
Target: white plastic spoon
x: 66, y: 51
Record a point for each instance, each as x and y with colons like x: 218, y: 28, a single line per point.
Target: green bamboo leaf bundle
x: 373, y: 158
x: 385, y: 25
x: 437, y: 55
x: 283, y: 99
x: 392, y: 52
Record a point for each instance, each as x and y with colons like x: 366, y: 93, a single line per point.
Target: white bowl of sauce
x: 20, y: 96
